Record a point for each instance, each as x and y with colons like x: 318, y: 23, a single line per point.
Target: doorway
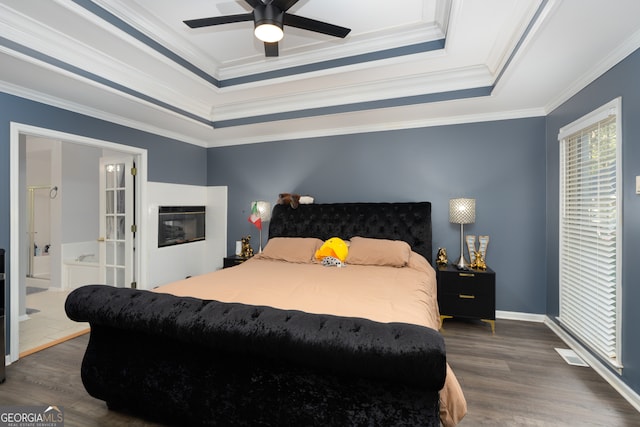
x: 68, y: 228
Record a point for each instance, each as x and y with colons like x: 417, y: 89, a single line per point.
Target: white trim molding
x: 601, y: 369
x: 524, y: 317
x: 15, y: 131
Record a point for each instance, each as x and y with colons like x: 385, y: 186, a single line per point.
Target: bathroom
x: 61, y: 228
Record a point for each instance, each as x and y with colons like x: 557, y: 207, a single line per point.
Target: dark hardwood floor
x: 516, y: 378
x: 512, y: 378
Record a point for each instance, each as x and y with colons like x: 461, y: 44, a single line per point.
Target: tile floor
x: 50, y: 323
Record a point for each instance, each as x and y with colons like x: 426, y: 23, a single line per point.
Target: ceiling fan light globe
x: 268, y: 33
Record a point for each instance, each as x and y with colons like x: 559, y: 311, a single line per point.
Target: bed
x: 282, y: 339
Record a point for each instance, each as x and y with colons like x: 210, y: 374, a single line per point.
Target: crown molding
x: 614, y: 57
x: 442, y: 81
x: 504, y: 49
x: 157, y: 30
x: 313, y: 53
x: 73, y: 57
x: 74, y: 107
x: 316, y: 53
x: 260, y: 137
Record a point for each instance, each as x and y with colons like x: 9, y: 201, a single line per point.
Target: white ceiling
x: 408, y: 63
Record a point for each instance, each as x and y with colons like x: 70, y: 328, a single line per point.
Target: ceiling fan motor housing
x: 268, y: 15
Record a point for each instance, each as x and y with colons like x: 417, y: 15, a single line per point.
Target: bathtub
x: 83, y: 270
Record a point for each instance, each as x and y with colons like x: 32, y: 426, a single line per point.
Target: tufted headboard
x: 410, y: 221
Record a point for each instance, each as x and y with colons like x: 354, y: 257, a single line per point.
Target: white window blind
x: 590, y: 230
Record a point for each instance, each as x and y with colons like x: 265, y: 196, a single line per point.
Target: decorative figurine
x: 247, y: 250
x: 478, y: 263
x: 442, y: 257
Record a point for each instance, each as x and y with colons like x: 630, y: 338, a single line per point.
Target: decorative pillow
x: 366, y: 251
x: 291, y: 249
x: 334, y: 247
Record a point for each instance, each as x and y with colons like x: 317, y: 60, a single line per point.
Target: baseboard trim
x: 601, y: 369
x: 526, y: 317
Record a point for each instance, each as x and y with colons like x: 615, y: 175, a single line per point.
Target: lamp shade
x: 264, y: 210
x: 462, y: 211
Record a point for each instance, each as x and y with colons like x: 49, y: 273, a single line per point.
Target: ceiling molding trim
x: 117, y: 22
x: 72, y: 69
x: 383, y: 127
x: 535, y: 22
x: 391, y: 88
x: 613, y: 58
x: 357, y: 106
x: 143, y: 38
x: 352, y: 46
x: 336, y: 63
x: 26, y: 31
x: 134, y: 15
x: 64, y: 104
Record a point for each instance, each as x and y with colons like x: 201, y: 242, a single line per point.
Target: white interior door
x: 117, y: 229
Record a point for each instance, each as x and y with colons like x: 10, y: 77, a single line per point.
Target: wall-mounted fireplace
x: 180, y: 224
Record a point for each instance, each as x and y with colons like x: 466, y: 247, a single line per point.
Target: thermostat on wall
x: 637, y: 184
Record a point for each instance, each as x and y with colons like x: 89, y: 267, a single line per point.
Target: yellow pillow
x: 335, y: 247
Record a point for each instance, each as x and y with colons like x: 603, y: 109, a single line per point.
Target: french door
x: 117, y: 228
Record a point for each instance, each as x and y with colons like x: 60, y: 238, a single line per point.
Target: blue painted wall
x: 168, y: 160
x: 621, y: 80
x: 501, y: 164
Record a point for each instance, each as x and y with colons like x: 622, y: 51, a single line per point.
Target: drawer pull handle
x: 466, y: 275
x: 466, y: 296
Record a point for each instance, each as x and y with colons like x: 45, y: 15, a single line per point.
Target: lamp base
x: 462, y: 263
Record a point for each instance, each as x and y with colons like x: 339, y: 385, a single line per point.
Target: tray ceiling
x: 404, y: 64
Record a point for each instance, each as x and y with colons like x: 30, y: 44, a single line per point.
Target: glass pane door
x: 116, y: 247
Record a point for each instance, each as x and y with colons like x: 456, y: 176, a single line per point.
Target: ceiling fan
x: 269, y: 16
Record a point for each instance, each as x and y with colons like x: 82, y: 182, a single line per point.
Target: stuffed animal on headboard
x: 289, y: 199
x: 294, y: 200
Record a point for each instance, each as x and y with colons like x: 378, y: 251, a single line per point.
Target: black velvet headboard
x: 409, y: 221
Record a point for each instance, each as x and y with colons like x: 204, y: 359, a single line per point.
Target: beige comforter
x: 383, y: 294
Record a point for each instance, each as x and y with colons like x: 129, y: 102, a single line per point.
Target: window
x: 590, y: 231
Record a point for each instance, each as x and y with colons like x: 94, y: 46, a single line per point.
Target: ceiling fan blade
x: 271, y: 49
x: 254, y: 3
x: 316, y: 26
x: 284, y: 5
x: 218, y: 20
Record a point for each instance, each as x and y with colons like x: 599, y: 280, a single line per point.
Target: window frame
x: 612, y: 108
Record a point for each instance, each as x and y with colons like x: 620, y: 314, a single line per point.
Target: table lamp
x: 462, y: 211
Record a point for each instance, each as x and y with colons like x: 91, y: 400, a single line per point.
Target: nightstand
x: 230, y: 261
x: 467, y: 293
